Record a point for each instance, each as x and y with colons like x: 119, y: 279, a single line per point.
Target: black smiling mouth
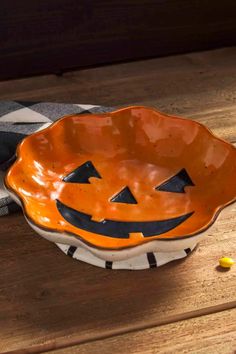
x: 118, y: 229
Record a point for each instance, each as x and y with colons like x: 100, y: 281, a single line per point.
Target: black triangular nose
x: 124, y: 196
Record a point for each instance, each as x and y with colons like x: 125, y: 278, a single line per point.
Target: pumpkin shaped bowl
x: 123, y: 184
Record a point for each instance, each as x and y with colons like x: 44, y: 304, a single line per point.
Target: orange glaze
x: 134, y: 147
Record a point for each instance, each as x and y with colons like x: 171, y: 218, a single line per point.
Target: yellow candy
x: 226, y: 262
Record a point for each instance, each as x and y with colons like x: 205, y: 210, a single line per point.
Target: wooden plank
x: 47, y: 299
x: 200, y: 86
x: 211, y: 334
x: 54, y: 35
x: 199, y: 83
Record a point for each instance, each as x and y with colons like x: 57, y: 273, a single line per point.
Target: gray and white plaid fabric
x: 18, y: 119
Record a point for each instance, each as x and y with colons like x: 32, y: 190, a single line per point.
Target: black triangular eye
x: 82, y: 174
x: 177, y: 183
x: 124, y: 196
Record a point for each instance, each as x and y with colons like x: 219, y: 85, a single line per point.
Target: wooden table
x: 50, y: 302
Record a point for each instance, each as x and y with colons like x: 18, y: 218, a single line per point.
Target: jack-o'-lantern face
x: 119, y: 228
x: 124, y: 178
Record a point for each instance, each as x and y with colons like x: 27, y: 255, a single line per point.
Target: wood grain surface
x: 50, y: 36
x: 49, y: 301
x: 211, y: 334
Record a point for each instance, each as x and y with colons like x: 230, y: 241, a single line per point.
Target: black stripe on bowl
x: 151, y: 260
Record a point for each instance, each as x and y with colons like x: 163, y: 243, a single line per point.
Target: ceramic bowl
x: 125, y: 183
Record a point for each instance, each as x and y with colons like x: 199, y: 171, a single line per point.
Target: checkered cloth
x: 19, y: 119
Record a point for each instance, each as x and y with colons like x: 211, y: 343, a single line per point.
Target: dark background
x: 51, y: 36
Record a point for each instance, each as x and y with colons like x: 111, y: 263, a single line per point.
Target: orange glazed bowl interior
x: 122, y: 179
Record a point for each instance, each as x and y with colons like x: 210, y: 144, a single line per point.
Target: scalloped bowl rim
x: 113, y: 254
